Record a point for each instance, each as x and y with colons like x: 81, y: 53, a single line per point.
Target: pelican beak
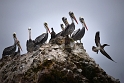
x: 46, y: 25
x: 75, y: 19
x: 85, y: 25
x: 18, y: 44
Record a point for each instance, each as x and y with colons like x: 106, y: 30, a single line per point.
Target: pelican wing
x: 39, y: 38
x: 105, y: 54
x: 9, y: 50
x: 97, y: 39
x: 75, y: 32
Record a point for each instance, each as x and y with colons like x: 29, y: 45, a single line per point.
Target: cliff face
x: 54, y: 62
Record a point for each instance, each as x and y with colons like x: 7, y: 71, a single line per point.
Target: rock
x: 54, y: 63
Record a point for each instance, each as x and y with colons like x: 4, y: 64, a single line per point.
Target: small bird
x: 53, y: 34
x: 100, y: 47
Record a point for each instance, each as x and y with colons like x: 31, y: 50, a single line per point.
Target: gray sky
x: 106, y: 16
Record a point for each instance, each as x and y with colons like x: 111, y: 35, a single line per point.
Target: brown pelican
x: 100, y: 47
x: 11, y: 49
x: 79, y: 33
x: 53, y: 34
x: 30, y: 43
x: 60, y: 33
x: 43, y: 37
x: 69, y: 27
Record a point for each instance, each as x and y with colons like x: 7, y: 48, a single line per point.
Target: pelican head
x: 83, y: 22
x: 52, y: 29
x: 29, y: 28
x: 81, y: 19
x: 14, y: 36
x: 73, y: 16
x: 46, y: 26
x: 62, y: 26
x: 64, y: 19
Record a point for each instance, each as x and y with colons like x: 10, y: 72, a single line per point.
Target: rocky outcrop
x: 54, y: 62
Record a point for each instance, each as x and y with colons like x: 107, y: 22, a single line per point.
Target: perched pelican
x: 69, y: 27
x: 79, y: 33
x: 11, y: 49
x: 60, y: 33
x: 43, y: 37
x: 30, y: 43
x: 53, y: 34
x: 100, y: 47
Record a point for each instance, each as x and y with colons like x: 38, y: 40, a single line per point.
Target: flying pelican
x: 79, y: 33
x: 53, y: 34
x: 43, y: 37
x: 69, y: 27
x: 30, y: 43
x: 11, y: 49
x: 100, y: 47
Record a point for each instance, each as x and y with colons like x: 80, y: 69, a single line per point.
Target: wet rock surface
x: 53, y: 63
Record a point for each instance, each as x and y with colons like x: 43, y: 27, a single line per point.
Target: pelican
x: 60, y: 33
x: 79, y: 33
x: 100, y: 47
x: 43, y: 37
x: 30, y: 43
x: 69, y: 27
x: 53, y: 34
x: 11, y: 49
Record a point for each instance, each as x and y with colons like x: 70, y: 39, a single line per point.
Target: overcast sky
x: 106, y: 16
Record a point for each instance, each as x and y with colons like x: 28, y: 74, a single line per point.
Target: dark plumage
x: 100, y: 47
x: 30, y: 43
x: 53, y: 34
